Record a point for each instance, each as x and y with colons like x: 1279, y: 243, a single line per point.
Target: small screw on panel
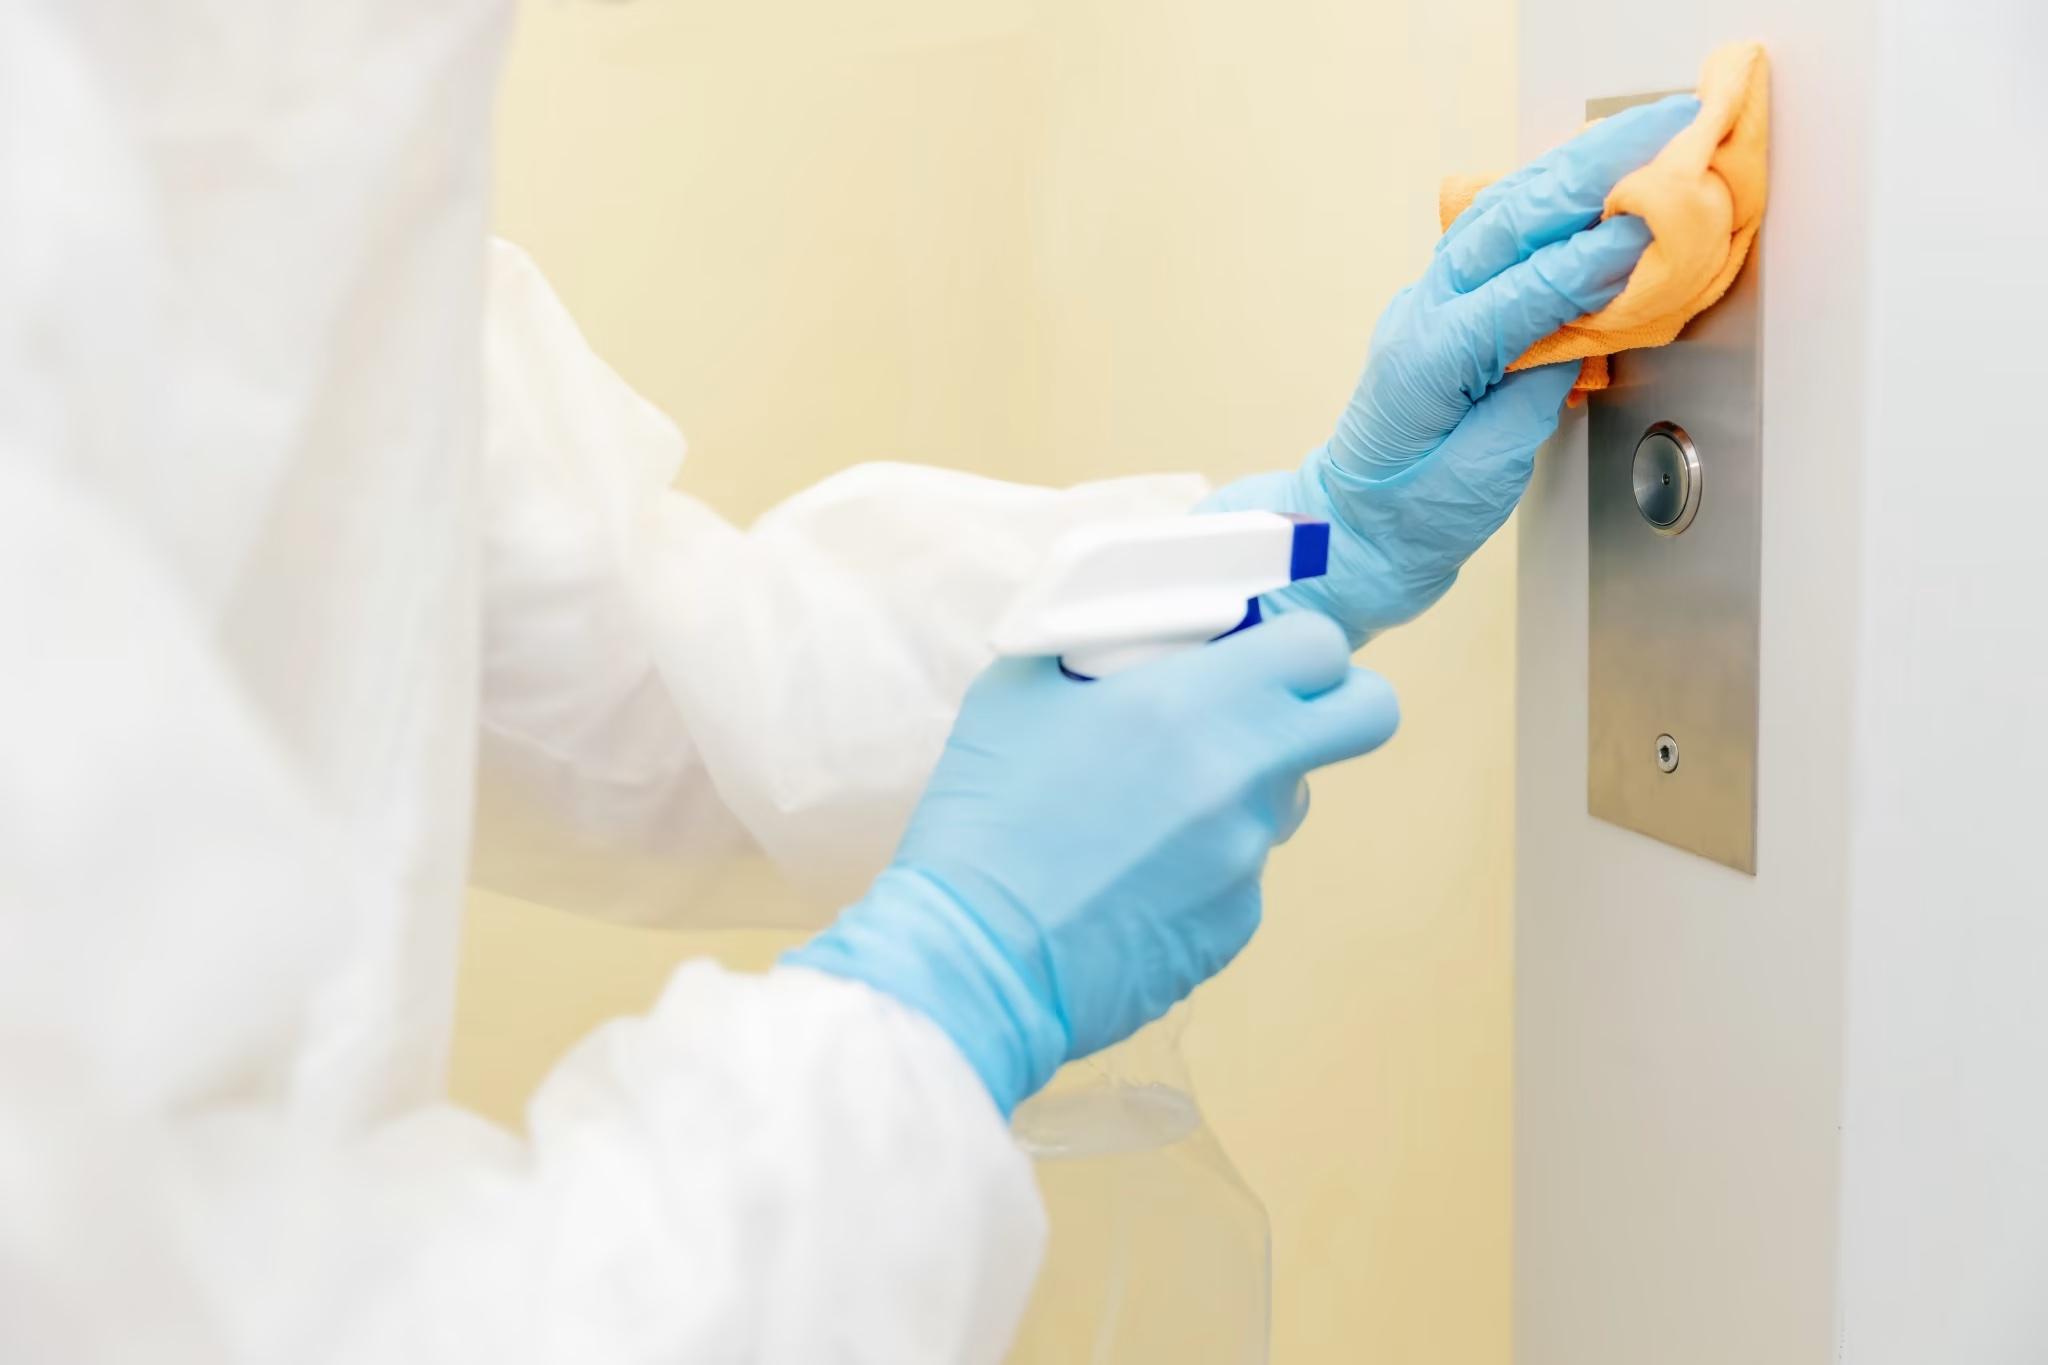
x: 1667, y: 754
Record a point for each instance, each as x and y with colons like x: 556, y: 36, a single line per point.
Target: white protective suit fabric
x: 269, y: 567
x: 660, y: 685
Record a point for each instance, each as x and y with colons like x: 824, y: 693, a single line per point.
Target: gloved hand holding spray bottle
x: 1159, y: 1250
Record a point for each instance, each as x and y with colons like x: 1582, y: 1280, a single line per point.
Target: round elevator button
x: 1667, y: 478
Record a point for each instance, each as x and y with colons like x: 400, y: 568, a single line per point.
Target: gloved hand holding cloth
x: 1613, y: 240
x: 1703, y: 199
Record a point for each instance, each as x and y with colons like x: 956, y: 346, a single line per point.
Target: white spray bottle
x: 1159, y: 1250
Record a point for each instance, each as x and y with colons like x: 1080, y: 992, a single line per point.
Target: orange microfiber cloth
x: 1703, y: 197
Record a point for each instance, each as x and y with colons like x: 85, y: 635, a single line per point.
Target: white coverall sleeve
x: 777, y: 1170
x: 660, y: 686
x: 789, y: 1170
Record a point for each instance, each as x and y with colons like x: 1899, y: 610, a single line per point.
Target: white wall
x: 1801, y: 1118
x: 1678, y: 1025
x: 1945, y: 1127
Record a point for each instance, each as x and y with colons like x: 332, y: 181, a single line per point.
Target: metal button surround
x: 1666, y: 472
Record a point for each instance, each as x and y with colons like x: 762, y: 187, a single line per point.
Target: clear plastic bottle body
x: 1159, y: 1251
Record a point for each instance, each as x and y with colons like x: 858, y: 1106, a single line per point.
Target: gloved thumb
x: 1299, y: 654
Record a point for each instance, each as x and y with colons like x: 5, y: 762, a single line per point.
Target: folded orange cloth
x: 1703, y: 197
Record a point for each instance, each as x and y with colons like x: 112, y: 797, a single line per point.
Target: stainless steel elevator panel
x: 1674, y: 512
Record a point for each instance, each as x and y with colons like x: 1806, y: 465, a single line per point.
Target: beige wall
x: 1057, y: 239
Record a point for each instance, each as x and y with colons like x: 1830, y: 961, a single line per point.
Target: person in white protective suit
x: 317, y: 516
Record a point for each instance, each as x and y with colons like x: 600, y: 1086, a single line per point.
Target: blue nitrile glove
x: 1089, y: 853
x: 1438, y: 442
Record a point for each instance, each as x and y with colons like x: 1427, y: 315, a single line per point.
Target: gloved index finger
x: 1555, y: 196
x: 1300, y: 652
x: 1623, y: 134
x: 1355, y: 717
